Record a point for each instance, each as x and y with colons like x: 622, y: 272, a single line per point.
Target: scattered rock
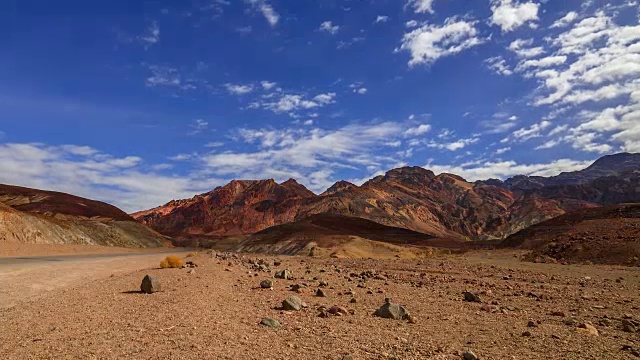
x: 469, y: 355
x: 353, y: 300
x: 338, y: 310
x: 284, y: 274
x: 392, y: 311
x: 628, y: 326
x: 587, y: 328
x: 191, y: 271
x: 471, y: 297
x: 570, y: 321
x: 293, y: 303
x: 266, y: 284
x: 558, y: 313
x: 527, y: 333
x: 269, y: 322
x: 320, y: 293
x: 532, y: 324
x: 150, y: 285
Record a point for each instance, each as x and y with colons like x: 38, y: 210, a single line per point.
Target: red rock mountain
x: 411, y: 198
x: 48, y: 217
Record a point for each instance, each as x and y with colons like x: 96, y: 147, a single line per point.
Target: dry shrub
x: 172, y: 261
x: 191, y: 255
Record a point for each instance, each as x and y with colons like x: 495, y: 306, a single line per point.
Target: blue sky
x: 137, y: 103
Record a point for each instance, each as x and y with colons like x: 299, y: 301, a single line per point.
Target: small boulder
x: 628, y: 326
x: 392, y: 311
x: 269, y: 322
x: 150, y: 285
x: 266, y: 284
x: 320, y: 293
x: 284, y: 274
x: 471, y: 297
x: 293, y: 303
x: 338, y: 310
x: 469, y: 355
x: 587, y: 328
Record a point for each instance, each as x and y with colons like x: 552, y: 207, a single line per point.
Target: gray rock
x: 266, y: 284
x: 628, y: 326
x: 284, y: 274
x: 471, y: 297
x: 293, y: 303
x: 392, y: 311
x: 150, y: 285
x: 269, y: 322
x: 469, y: 355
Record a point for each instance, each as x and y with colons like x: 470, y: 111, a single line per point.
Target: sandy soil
x: 214, y: 312
x: 25, y: 279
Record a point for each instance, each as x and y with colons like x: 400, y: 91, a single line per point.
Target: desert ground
x: 213, y: 311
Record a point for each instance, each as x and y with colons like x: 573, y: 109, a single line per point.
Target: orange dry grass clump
x: 172, y: 261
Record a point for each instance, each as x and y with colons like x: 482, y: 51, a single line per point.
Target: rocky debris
x: 338, y: 311
x: 284, y: 274
x: 571, y: 322
x: 266, y: 284
x: 630, y: 348
x: 527, y: 333
x: 150, y: 285
x: 191, y: 271
x: 558, y: 313
x: 297, y: 287
x: 532, y: 324
x: 320, y: 293
x: 190, y: 264
x: 471, y: 297
x: 353, y: 300
x: 469, y: 355
x: 392, y: 311
x: 293, y: 303
x: 323, y: 284
x: 270, y: 322
x: 629, y: 326
x: 587, y: 328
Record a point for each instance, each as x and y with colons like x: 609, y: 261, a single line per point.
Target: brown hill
x: 334, y: 234
x: 47, y: 217
x: 412, y: 198
x: 608, y: 235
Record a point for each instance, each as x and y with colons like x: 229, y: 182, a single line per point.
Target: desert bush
x: 172, y: 261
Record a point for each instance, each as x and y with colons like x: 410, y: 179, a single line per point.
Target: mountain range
x: 413, y: 198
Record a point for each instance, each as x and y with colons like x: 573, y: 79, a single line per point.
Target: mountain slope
x: 47, y: 217
x: 608, y: 235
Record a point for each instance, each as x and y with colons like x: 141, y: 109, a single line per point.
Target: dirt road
x: 27, y: 278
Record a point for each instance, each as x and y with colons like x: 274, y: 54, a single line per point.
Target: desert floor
x: 91, y: 309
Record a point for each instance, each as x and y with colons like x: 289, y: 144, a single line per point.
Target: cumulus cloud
x: 87, y: 172
x: 499, y: 65
x: 565, y: 20
x: 328, y: 26
x: 510, y: 15
x: 421, y: 6
x: 523, y: 48
x: 505, y: 169
x: 430, y: 42
x: 237, y: 89
x: 266, y: 10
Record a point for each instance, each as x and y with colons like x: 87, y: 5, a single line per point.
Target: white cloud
x: 151, y: 35
x: 92, y: 174
x: 288, y: 103
x: 499, y: 65
x: 418, y: 130
x: 198, y: 126
x: 411, y: 24
x: 237, y: 89
x: 430, y: 42
x: 328, y: 26
x: 565, y: 20
x: 299, y: 153
x: 267, y: 85
x: 453, y: 146
x: 523, y: 48
x: 510, y: 15
x: 267, y: 11
x: 421, y: 6
x: 381, y: 19
x: 502, y: 150
x: 505, y: 169
x: 361, y: 91
x: 524, y: 134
